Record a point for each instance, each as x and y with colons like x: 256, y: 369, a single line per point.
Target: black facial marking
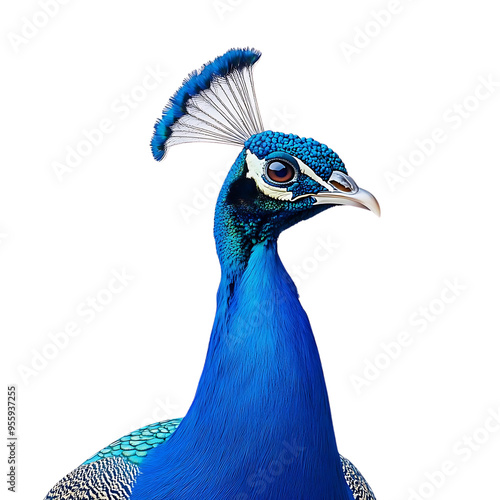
x: 242, y: 191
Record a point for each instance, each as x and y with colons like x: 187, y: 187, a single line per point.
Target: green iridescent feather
x: 135, y: 446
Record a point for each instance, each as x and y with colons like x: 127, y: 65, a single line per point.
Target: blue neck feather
x: 260, y: 424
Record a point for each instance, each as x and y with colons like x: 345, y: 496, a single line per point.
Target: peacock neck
x: 260, y: 423
x: 263, y: 378
x: 262, y: 338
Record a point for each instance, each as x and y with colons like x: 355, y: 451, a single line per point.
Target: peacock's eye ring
x: 280, y: 171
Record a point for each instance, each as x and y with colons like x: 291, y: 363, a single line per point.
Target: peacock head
x: 277, y: 179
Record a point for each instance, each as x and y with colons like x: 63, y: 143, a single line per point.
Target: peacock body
x: 260, y: 425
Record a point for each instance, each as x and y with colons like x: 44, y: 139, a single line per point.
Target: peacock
x: 260, y: 425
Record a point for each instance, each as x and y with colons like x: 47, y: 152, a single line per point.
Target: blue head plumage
x: 278, y: 180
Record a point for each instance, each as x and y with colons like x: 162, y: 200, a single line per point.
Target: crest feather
x: 216, y: 103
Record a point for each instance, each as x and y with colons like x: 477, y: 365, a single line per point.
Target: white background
x: 140, y: 358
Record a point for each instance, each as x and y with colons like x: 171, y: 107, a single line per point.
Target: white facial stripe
x: 256, y: 172
x: 312, y: 174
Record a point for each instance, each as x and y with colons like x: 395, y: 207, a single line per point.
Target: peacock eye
x: 280, y: 171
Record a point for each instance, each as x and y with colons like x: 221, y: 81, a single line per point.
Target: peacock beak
x: 342, y: 190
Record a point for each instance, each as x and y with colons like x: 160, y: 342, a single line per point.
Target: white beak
x: 342, y: 190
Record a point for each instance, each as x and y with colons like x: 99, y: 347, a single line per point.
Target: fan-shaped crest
x: 216, y: 103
